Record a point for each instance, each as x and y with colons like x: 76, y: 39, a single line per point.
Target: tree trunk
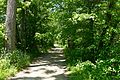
x: 70, y: 43
x: 10, y: 25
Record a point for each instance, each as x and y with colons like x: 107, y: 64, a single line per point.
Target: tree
x: 89, y: 26
x: 10, y: 25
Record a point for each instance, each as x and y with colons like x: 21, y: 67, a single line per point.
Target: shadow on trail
x: 51, y: 66
x: 57, y: 77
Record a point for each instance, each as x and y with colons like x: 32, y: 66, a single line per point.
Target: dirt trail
x: 49, y: 66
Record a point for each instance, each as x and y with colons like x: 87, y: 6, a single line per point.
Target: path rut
x: 49, y: 66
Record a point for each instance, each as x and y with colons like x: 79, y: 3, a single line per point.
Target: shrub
x: 72, y: 55
x: 80, y: 54
x: 10, y: 63
x: 19, y: 59
x: 82, y: 71
x: 44, y: 41
x: 102, y: 70
x: 6, y: 69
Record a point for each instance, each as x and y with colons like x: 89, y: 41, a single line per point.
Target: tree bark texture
x: 10, y: 25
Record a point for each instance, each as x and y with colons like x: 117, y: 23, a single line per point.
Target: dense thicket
x: 88, y: 29
x: 32, y: 25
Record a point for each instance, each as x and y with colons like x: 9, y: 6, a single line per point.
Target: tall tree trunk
x: 10, y: 25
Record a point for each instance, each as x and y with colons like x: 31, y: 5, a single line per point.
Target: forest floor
x: 51, y: 66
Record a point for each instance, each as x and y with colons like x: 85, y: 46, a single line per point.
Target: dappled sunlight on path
x: 47, y: 67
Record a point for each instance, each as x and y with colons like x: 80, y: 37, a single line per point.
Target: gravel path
x: 49, y: 66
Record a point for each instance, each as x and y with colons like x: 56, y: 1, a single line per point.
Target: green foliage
x: 19, y: 59
x: 1, y: 35
x: 45, y: 41
x: 90, y: 27
x: 32, y: 18
x: 102, y: 70
x: 6, y: 69
x: 2, y: 18
x: 2, y: 10
x: 74, y: 55
x: 10, y: 63
x: 82, y: 71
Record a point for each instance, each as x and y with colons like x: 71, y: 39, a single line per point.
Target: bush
x: 82, y: 71
x: 74, y: 55
x: 10, y: 63
x: 19, y: 59
x: 44, y: 41
x: 102, y: 70
x: 6, y: 69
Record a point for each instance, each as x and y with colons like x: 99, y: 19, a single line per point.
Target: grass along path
x: 49, y: 66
